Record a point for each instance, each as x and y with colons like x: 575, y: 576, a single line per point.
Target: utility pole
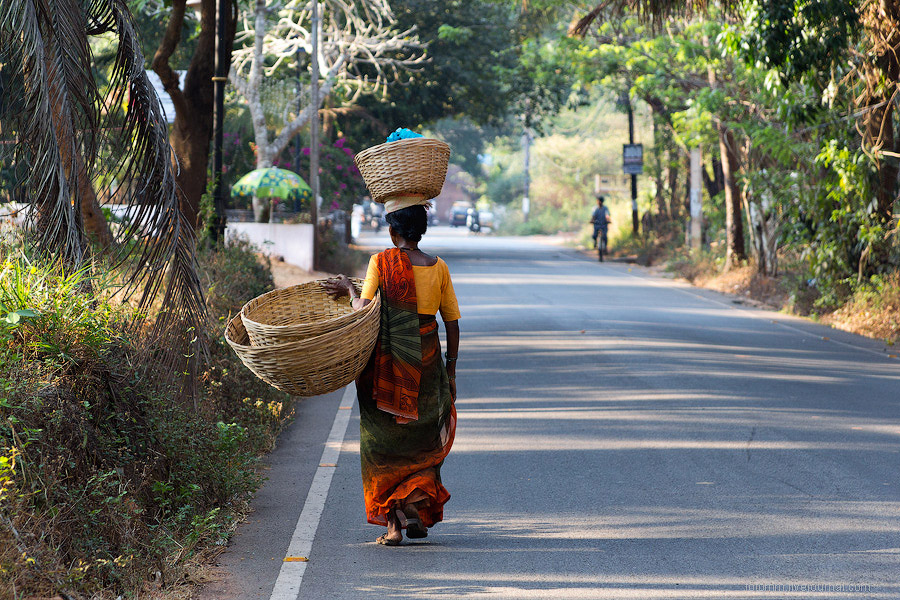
x: 314, y: 134
x: 526, y: 200
x: 217, y: 230
x: 634, y: 206
x: 300, y: 53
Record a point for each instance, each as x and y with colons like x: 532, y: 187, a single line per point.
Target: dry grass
x: 873, y: 311
x: 747, y: 282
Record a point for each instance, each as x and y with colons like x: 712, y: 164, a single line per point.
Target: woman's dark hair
x: 409, y: 223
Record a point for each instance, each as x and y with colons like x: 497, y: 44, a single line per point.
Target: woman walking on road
x: 406, y: 394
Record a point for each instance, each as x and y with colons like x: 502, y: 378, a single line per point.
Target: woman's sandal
x: 384, y: 540
x: 409, y: 518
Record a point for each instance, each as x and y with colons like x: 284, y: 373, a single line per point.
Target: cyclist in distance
x: 601, y: 220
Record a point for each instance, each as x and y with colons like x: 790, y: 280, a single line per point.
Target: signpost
x: 633, y: 159
x: 633, y: 164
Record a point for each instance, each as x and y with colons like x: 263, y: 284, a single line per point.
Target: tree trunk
x: 685, y: 207
x: 734, y: 222
x: 658, y: 153
x: 261, y: 206
x: 881, y: 21
x: 673, y: 186
x: 714, y: 184
x: 94, y: 222
x: 193, y: 126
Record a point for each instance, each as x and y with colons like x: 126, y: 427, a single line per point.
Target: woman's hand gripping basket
x: 302, y: 341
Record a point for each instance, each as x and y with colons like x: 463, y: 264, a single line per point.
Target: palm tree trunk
x: 91, y: 216
x: 95, y: 223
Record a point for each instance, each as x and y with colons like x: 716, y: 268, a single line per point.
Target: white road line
x: 287, y: 586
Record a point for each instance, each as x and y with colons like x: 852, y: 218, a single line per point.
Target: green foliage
x: 468, y: 40
x: 487, y: 61
x: 152, y: 18
x: 796, y: 39
x: 53, y: 310
x: 103, y: 478
x: 337, y: 257
x: 234, y: 272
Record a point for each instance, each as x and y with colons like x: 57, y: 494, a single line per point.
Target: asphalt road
x: 620, y: 436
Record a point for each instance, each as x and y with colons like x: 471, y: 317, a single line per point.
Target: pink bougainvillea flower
x: 305, y: 151
x: 343, y: 186
x: 348, y: 152
x: 340, y: 143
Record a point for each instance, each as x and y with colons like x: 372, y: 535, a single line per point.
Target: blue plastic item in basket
x: 403, y: 134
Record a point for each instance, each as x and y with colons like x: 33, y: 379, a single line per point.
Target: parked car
x: 458, y: 214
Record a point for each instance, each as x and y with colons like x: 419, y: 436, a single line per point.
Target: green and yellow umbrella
x: 272, y: 182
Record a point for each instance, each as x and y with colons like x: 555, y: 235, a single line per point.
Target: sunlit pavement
x: 619, y: 436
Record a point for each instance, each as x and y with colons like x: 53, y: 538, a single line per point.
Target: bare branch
x: 360, y: 51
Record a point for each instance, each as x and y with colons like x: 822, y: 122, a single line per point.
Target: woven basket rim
x: 281, y: 291
x: 376, y: 302
x: 397, y: 146
x: 410, y: 166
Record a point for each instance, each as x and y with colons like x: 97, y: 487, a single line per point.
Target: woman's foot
x: 394, y: 534
x: 385, y: 540
x: 414, y: 527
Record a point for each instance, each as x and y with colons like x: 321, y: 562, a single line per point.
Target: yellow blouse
x: 434, y: 290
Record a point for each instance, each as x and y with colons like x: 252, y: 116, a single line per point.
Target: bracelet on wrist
x: 450, y: 358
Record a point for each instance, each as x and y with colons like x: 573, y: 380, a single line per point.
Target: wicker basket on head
x: 404, y: 167
x: 316, y: 365
x: 296, y: 313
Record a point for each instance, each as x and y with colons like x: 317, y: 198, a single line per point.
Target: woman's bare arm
x: 452, y: 328
x: 360, y: 303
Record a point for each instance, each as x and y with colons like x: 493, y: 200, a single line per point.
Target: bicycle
x: 601, y: 245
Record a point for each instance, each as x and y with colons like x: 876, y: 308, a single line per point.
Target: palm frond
x: 122, y: 137
x: 654, y: 12
x: 46, y: 117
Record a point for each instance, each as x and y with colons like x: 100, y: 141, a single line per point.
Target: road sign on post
x: 633, y: 159
x: 633, y: 164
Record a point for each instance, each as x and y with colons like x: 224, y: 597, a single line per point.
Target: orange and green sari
x: 407, y: 417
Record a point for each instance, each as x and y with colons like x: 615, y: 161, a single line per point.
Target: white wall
x: 293, y: 242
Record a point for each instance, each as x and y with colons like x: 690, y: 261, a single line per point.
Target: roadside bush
x: 874, y: 308
x: 694, y: 266
x: 234, y: 272
x: 104, y: 480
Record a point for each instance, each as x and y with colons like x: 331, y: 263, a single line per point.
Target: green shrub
x: 104, y: 479
x: 234, y: 272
